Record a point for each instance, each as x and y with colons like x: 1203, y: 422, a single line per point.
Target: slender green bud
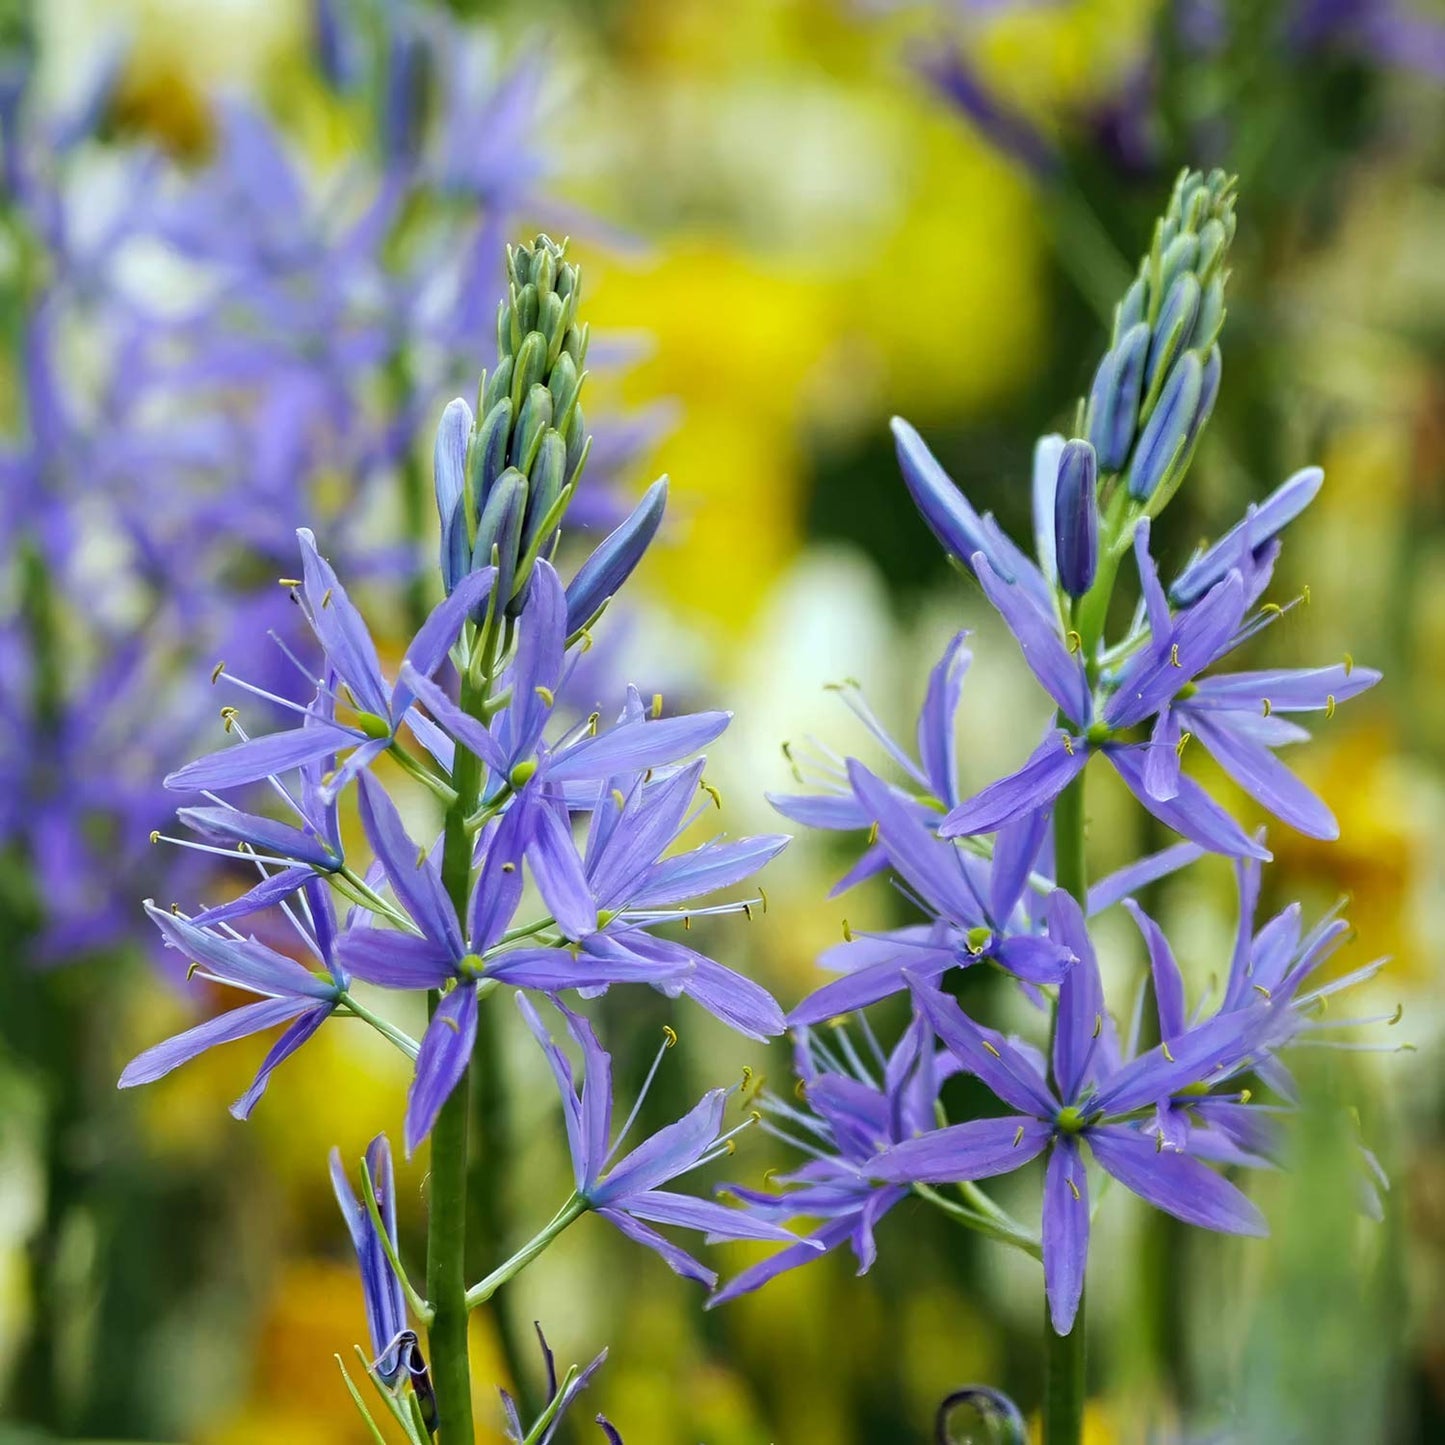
x: 1153, y: 391
x: 529, y: 441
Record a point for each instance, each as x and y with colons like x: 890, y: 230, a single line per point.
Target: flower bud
x: 1076, y: 518
x: 487, y: 457
x: 449, y: 464
x: 1114, y: 399
x: 534, y: 419
x: 612, y: 563
x: 1166, y: 434
x: 1172, y: 330
x: 548, y: 475
x: 499, y: 529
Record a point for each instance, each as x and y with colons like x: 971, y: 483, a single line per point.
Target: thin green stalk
x: 482, y: 1291
x: 1064, y: 1355
x: 446, y: 1285
x: 404, y: 1042
x: 1064, y: 1390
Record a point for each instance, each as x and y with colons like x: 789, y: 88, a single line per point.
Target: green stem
x: 481, y: 1292
x: 445, y: 1269
x: 446, y: 1285
x: 1064, y: 1355
x: 1064, y: 1362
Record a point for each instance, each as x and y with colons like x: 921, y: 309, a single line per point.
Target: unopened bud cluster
x: 504, y: 476
x: 1157, y: 384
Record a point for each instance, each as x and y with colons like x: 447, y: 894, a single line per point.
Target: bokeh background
x: 251, y: 247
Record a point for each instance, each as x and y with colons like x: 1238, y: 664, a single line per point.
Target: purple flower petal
x: 1052, y: 766
x: 1060, y: 672
x: 1193, y: 813
x: 600, y: 963
x: 244, y: 963
x: 705, y: 870
x: 1081, y: 1015
x: 446, y: 1049
x: 1015, y: 851
x: 537, y: 672
x: 556, y: 868
x: 1131, y: 878
x: 988, y: 1056
x: 932, y: 867
x: 280, y: 1051
x: 719, y: 1223
x: 937, y: 739
x: 266, y: 835
x: 268, y: 892
x: 238, y: 1023
x: 1289, y: 689
x: 1035, y: 960
x: 1173, y: 1182
x: 1168, y: 981
x: 462, y: 726
x: 837, y: 814
x: 1265, y: 778
x: 978, y: 1149
x: 830, y: 1236
x: 664, y: 1156
x: 635, y: 747
x: 498, y: 889
x: 586, y: 1162
x: 1065, y: 1232
x: 258, y: 758
x: 678, y: 1260
x: 413, y: 876
x: 391, y: 959
x: 340, y: 629
x: 435, y: 637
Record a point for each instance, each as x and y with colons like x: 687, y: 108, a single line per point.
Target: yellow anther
x: 451, y: 1023
x: 1245, y: 1095
x: 847, y: 932
x: 420, y: 858
x: 1329, y: 704
x: 992, y: 1050
x: 592, y: 722
x: 1183, y: 743
x: 191, y: 971
x: 618, y: 798
x: 748, y: 911
x: 1349, y: 664
x: 546, y: 694
x: 687, y: 923
x: 228, y: 717
x: 731, y: 1145
x: 216, y: 672
x: 290, y: 581
x: 1174, y: 656
x: 1165, y: 1049
x: 1068, y: 745
x: 763, y: 897
x: 1396, y: 1016
x: 801, y: 1088
x: 586, y: 642
x: 1268, y: 707
x: 509, y: 867
x: 1158, y: 1143
x: 1018, y: 1136
x: 747, y: 1075
x: 656, y: 705
x: 176, y: 909
x: 669, y: 1036
x: 1304, y: 593
x: 1263, y: 992
x: 711, y: 791
x: 754, y: 1116
x: 872, y: 834
x: 1273, y: 608
x: 1074, y: 641
x: 155, y: 835
x: 326, y: 597
x: 1098, y: 1024
x: 1074, y: 1189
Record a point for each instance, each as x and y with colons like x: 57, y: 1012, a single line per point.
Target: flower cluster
x: 587, y: 814
x: 1162, y: 1108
